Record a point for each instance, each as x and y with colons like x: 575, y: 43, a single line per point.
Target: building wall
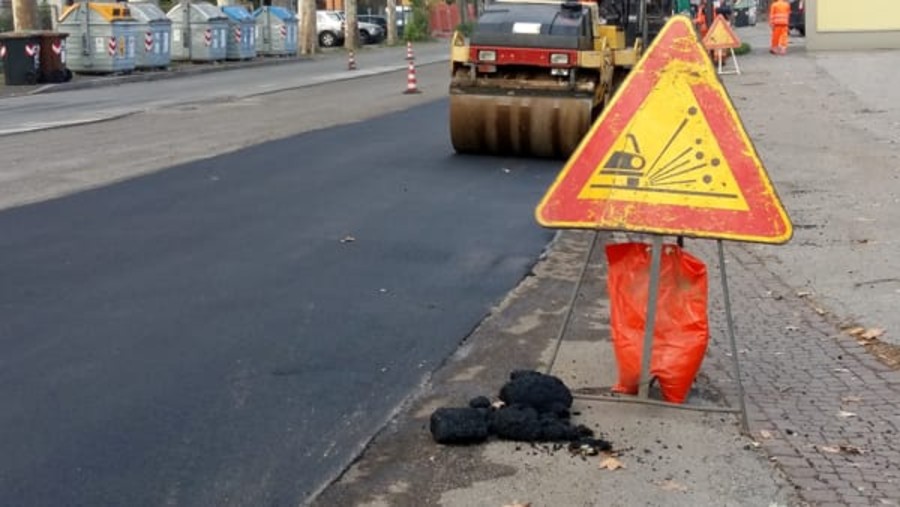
x: 856, y: 24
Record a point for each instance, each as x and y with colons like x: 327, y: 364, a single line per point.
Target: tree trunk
x: 391, y: 22
x: 25, y: 15
x: 309, y: 40
x: 351, y: 33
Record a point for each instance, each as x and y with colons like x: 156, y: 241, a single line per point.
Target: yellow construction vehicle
x: 533, y: 74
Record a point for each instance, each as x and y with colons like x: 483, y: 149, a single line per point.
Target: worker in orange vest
x: 700, y: 20
x: 779, y: 20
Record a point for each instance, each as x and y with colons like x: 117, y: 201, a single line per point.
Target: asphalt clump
x: 533, y: 407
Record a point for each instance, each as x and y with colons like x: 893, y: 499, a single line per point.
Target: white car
x: 330, y: 28
x: 369, y: 33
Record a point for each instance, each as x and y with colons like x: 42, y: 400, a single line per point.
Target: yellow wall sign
x: 669, y: 155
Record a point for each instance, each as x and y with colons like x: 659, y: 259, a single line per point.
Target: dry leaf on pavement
x: 844, y: 413
x: 517, y: 504
x: 611, y: 463
x: 851, y: 399
x: 855, y: 331
x: 832, y: 449
x: 871, y: 334
x: 850, y: 449
x: 804, y: 294
x: 670, y: 485
x: 766, y: 434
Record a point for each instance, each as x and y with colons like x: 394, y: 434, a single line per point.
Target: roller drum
x: 518, y: 125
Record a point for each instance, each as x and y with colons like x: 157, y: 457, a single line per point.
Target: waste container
x: 276, y: 31
x: 242, y: 37
x: 21, y: 57
x: 101, y: 37
x: 53, y: 58
x: 199, y: 32
x: 154, y: 32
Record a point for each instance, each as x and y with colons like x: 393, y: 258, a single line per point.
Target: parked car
x: 375, y: 20
x: 798, y: 17
x: 330, y: 28
x: 369, y: 33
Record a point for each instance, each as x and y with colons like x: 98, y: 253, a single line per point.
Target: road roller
x: 534, y: 74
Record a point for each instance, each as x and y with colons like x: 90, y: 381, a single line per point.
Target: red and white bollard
x: 351, y: 60
x: 409, y: 51
x: 411, y: 85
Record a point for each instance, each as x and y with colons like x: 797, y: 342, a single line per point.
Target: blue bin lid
x: 236, y: 12
x: 279, y: 12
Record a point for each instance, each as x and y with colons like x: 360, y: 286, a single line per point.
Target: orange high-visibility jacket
x: 780, y: 13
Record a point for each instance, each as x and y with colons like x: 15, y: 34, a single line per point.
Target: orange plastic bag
x: 681, y: 332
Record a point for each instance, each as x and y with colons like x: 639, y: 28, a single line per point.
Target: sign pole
x: 745, y: 425
x: 649, y: 323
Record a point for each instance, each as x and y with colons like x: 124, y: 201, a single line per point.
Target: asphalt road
x: 232, y: 331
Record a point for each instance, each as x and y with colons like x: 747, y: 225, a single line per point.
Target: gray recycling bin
x: 154, y: 35
x: 101, y: 37
x: 276, y: 31
x: 21, y: 55
x: 199, y: 32
x: 241, y: 33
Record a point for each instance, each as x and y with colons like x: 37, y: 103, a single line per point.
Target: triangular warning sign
x: 721, y: 35
x: 669, y: 155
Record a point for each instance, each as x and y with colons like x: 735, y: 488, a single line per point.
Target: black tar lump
x: 535, y: 408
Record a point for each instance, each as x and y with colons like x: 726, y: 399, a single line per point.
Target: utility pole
x: 24, y: 15
x: 391, y: 22
x: 309, y: 39
x: 351, y: 36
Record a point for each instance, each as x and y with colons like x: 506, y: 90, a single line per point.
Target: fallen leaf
x: 348, y: 239
x: 611, y: 463
x: 851, y: 399
x: 820, y: 311
x: 670, y: 485
x: 517, y: 504
x: 856, y: 331
x: 844, y: 413
x: 850, y: 449
x: 833, y: 449
x: 871, y: 334
x: 765, y: 434
x: 804, y: 294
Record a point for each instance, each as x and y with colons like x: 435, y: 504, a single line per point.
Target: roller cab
x: 530, y: 78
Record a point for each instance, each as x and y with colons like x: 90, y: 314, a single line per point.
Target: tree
x: 24, y: 15
x: 309, y: 39
x: 391, y: 22
x: 351, y: 30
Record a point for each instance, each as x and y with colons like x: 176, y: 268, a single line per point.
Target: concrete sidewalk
x: 188, y: 69
x: 824, y: 406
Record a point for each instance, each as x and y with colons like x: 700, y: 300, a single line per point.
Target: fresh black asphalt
x: 203, y: 336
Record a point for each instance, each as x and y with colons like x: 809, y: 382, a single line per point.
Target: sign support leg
x: 745, y: 425
x: 649, y: 324
x: 737, y: 68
